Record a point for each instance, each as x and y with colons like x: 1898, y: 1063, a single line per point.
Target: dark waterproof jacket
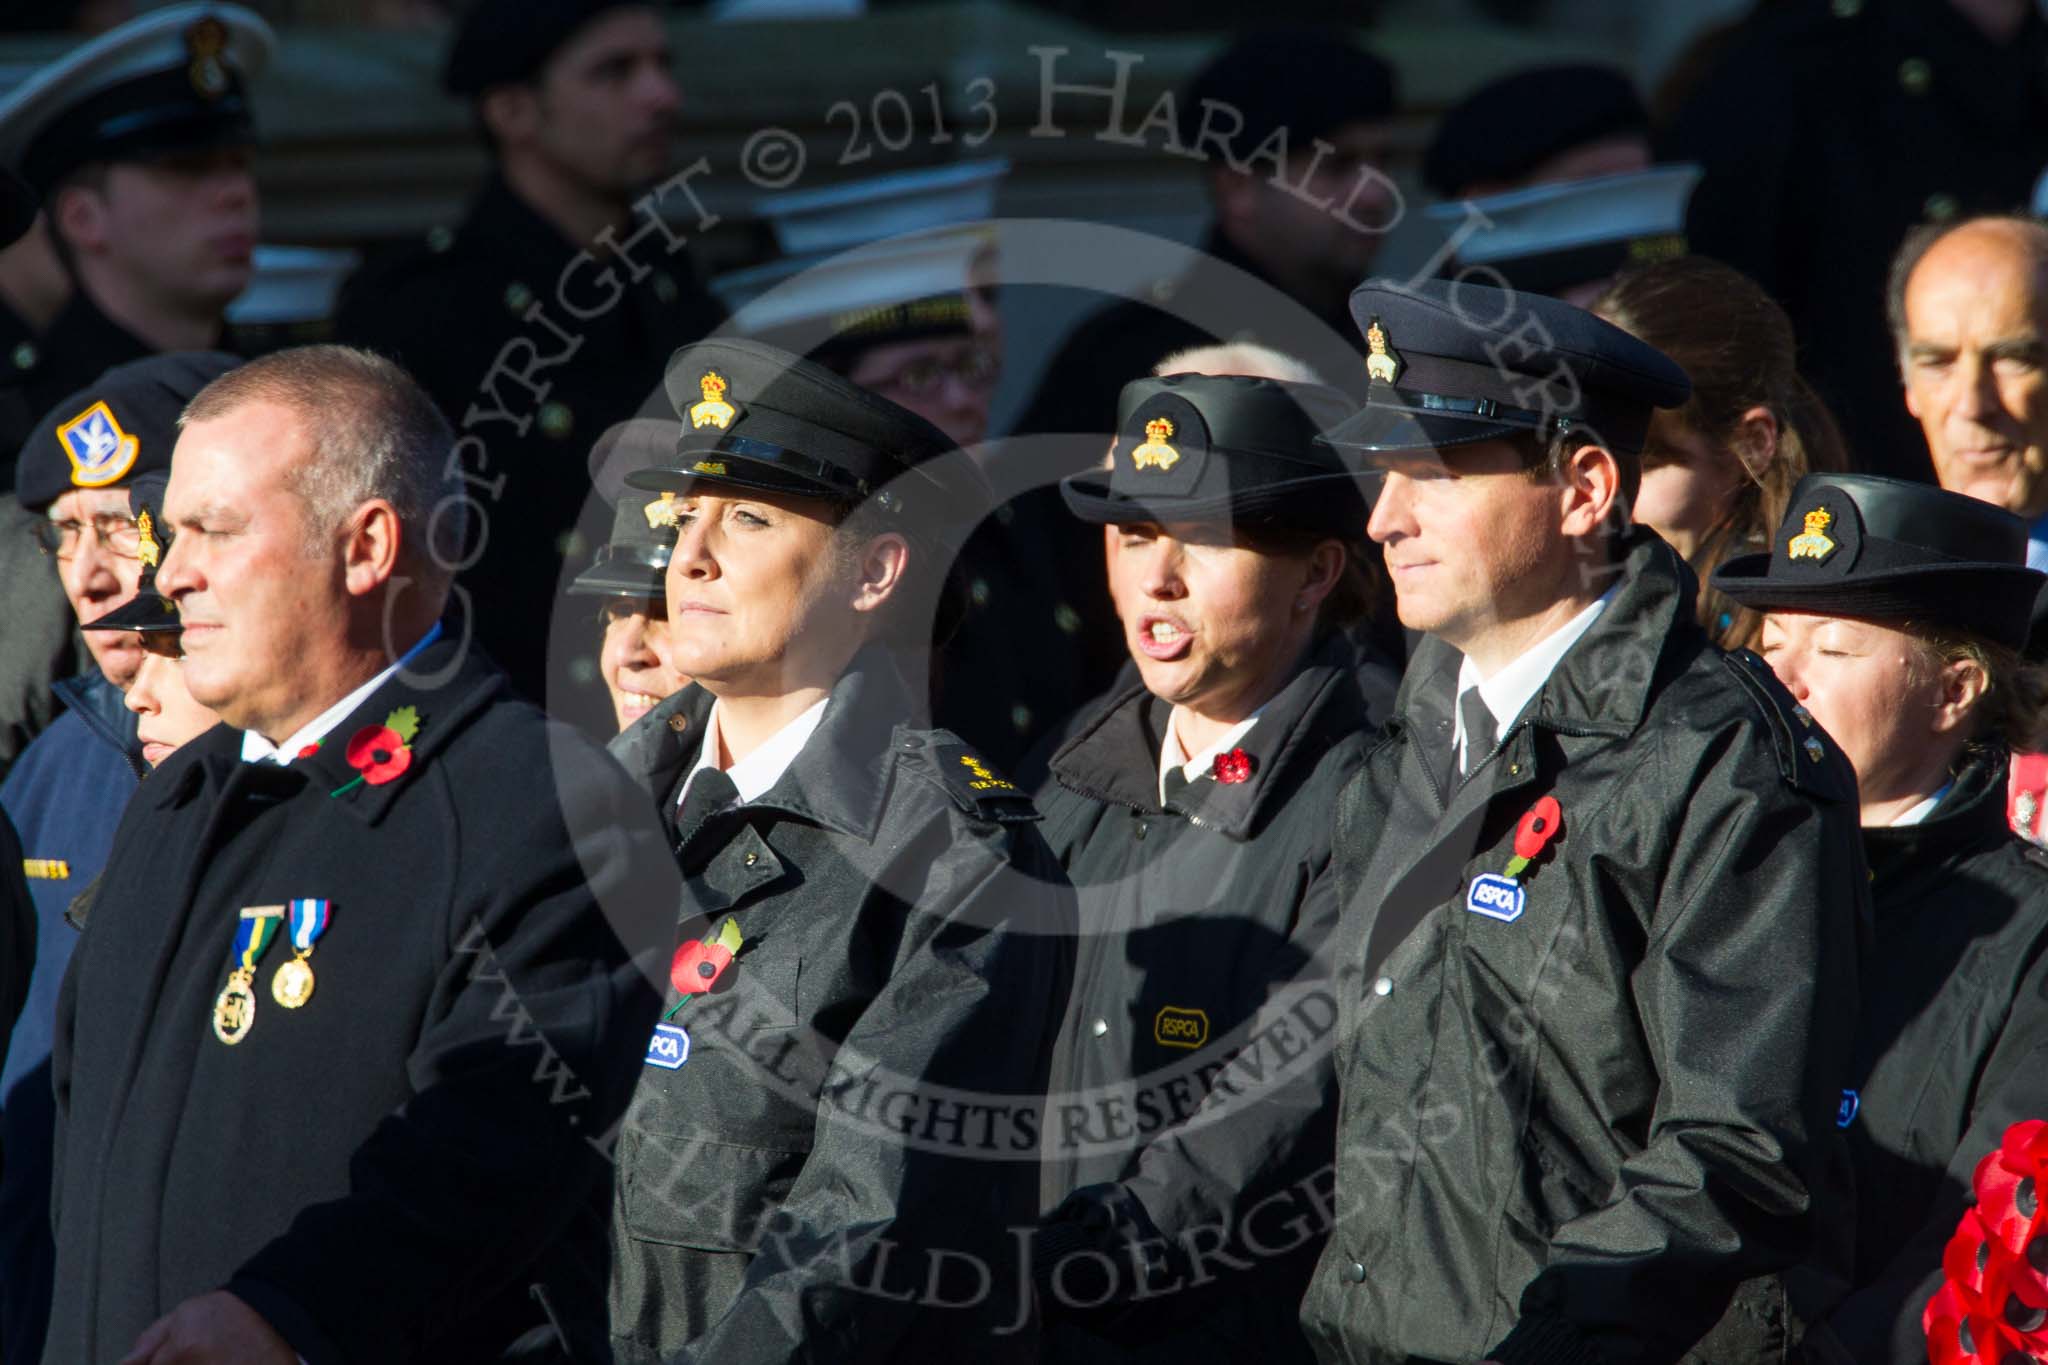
x: 532, y: 348
x: 65, y: 796
x: 1953, y: 1051
x: 1194, y: 918
x: 385, y: 1172
x: 1579, y: 1112
x: 831, y: 1153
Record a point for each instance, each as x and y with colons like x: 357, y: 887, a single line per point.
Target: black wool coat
x: 1203, y: 925
x: 384, y: 1172
x: 1953, y: 1049
x: 1589, y: 1115
x: 830, y: 1153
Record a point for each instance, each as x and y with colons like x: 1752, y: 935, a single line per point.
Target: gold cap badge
x: 1382, y: 364
x: 1813, y: 542
x: 713, y: 468
x: 714, y: 411
x: 146, y: 548
x: 1155, y: 453
x: 205, y: 41
x: 662, y: 512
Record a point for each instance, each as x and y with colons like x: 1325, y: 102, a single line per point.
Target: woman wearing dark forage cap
x: 1192, y: 810
x: 834, y: 1131
x: 1895, y: 613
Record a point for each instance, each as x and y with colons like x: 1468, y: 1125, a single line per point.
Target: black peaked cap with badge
x: 507, y: 42
x: 1450, y: 363
x: 120, y: 426
x: 755, y: 416
x: 148, y: 612
x: 1862, y: 545
x: 633, y: 561
x: 1228, y: 448
x: 169, y: 81
x: 1507, y: 128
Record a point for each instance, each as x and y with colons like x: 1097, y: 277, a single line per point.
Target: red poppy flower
x: 310, y: 749
x: 1537, y: 827
x: 697, y: 966
x: 378, y: 754
x: 1233, y: 767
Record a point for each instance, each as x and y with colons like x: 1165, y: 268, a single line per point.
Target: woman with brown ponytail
x: 1717, y: 473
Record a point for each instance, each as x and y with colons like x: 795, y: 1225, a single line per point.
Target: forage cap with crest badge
x: 634, y: 559
x: 1452, y: 363
x: 756, y: 416
x: 148, y: 612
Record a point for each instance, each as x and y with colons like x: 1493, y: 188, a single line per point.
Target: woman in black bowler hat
x: 835, y: 1131
x: 1192, y: 810
x: 1895, y: 614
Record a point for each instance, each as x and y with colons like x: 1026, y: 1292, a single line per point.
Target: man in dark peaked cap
x: 139, y: 144
x: 1602, y: 888
x: 1533, y: 127
x: 67, y: 792
x: 1305, y: 108
x: 529, y: 352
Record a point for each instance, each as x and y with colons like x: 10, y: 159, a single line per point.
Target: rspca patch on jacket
x: 1496, y: 897
x: 669, y: 1048
x: 100, y: 451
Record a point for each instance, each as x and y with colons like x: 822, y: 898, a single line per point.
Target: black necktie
x: 1480, y: 735
x: 708, y: 792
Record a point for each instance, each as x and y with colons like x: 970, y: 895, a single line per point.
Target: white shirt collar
x: 1918, y: 814
x: 763, y: 768
x: 1173, y: 755
x: 1510, y: 690
x: 257, y: 749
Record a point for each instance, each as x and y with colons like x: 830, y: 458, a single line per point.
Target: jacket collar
x: 513, y: 229
x: 838, y: 780
x: 1602, y: 685
x: 100, y: 709
x: 1972, y: 816
x: 446, y: 685
x: 1115, y: 756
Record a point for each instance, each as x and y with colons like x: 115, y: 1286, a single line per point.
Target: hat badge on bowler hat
x: 663, y: 512
x: 1813, y: 543
x: 1154, y: 452
x: 713, y: 410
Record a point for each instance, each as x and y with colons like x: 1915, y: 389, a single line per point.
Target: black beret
x: 756, y: 416
x: 165, y: 82
x: 507, y: 42
x: 1509, y: 127
x: 1309, y: 81
x: 634, y: 559
x: 18, y: 208
x: 147, y: 612
x: 1861, y: 545
x: 1197, y: 447
x: 121, y: 425
x: 1450, y: 363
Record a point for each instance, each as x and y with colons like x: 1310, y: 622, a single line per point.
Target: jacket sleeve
x: 525, y: 1057
x: 1746, y: 996
x: 1881, y: 1321
x: 974, y: 993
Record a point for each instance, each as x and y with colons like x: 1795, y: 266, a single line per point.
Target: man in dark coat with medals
x: 351, y: 1002
x: 1192, y: 812
x: 547, y: 314
x: 835, y: 1134
x: 1603, y: 891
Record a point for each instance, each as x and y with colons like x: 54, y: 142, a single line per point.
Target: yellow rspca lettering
x: 46, y: 869
x: 1177, y: 1027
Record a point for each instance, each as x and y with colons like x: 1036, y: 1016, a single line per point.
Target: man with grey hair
x: 351, y: 1015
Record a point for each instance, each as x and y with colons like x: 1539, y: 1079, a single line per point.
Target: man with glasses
x: 66, y: 794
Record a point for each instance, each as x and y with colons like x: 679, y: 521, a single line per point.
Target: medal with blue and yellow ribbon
x: 234, y: 1011
x: 293, y: 984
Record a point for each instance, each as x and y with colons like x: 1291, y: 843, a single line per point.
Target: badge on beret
x: 1382, y: 364
x: 205, y: 41
x: 1813, y: 543
x: 101, y: 453
x: 662, y: 512
x: 1155, y: 453
x: 146, y: 548
x: 713, y: 411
